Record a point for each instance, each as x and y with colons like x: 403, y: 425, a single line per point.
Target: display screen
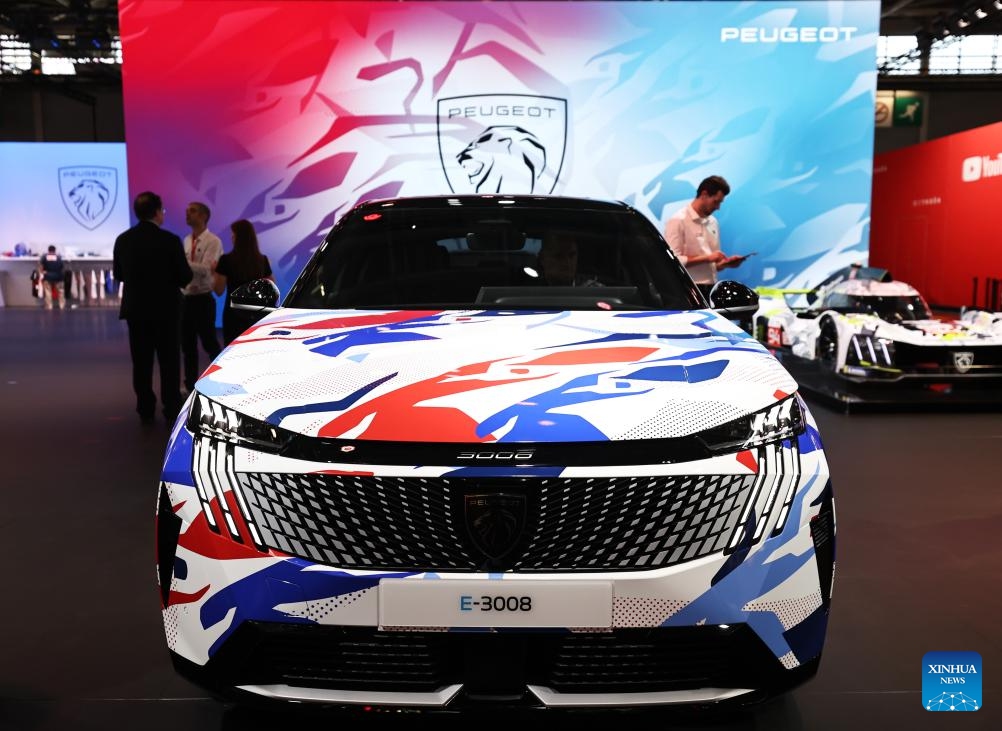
x: 288, y: 113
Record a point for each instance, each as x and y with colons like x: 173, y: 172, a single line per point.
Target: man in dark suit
x: 150, y: 262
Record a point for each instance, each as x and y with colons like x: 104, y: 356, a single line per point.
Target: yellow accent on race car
x: 779, y: 291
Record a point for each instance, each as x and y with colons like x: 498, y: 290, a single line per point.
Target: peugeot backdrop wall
x: 71, y: 194
x: 288, y: 113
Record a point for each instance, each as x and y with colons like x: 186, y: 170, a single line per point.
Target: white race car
x: 863, y: 326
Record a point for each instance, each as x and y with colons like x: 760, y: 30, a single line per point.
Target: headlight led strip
x: 778, y: 472
x: 209, y: 456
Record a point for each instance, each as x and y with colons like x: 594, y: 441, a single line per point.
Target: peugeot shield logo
x: 495, y: 522
x: 502, y: 143
x: 88, y: 193
x: 963, y: 361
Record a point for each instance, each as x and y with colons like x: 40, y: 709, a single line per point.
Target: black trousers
x: 198, y: 323
x: 156, y: 338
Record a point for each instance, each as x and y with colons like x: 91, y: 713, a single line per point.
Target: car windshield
x: 490, y: 256
x: 892, y: 309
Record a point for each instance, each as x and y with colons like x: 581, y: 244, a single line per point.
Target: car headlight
x: 781, y: 421
x: 208, y: 418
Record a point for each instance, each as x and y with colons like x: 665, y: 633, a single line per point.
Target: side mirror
x: 733, y: 300
x: 261, y: 295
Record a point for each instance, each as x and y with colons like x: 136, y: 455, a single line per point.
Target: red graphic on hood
x: 593, y: 355
x: 339, y: 323
x: 402, y: 416
x: 384, y: 318
x: 399, y: 415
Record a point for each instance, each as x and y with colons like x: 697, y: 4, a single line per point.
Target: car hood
x: 480, y: 376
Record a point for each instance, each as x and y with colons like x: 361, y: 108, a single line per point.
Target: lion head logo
x: 88, y: 193
x: 89, y: 198
x: 504, y: 159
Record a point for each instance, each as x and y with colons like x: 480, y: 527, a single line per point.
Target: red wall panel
x: 937, y: 214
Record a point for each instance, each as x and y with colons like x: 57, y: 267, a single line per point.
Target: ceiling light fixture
x: 981, y: 14
x: 963, y: 22
x: 997, y: 4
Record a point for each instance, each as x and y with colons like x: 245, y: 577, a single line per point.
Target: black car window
x: 485, y: 257
x: 892, y: 309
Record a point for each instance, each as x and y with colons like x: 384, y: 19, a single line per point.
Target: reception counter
x: 91, y: 284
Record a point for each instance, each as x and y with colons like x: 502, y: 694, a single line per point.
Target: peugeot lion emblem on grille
x: 963, y: 360
x: 495, y: 522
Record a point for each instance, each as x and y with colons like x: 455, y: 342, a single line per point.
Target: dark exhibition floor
x: 919, y: 506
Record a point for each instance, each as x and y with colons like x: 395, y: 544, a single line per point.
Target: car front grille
x: 565, y: 524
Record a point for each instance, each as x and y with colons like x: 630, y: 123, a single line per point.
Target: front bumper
x: 448, y: 671
x: 921, y: 363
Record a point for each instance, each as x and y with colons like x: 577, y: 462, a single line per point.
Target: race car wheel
x: 827, y: 346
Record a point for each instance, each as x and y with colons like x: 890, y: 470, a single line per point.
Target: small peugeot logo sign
x: 502, y: 143
x: 495, y: 522
x: 963, y: 361
x: 88, y: 193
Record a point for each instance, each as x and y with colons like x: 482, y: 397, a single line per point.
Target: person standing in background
x: 202, y: 249
x: 694, y: 235
x: 53, y: 272
x: 151, y: 265
x: 243, y: 264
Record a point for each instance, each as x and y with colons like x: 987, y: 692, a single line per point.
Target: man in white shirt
x: 202, y: 249
x: 694, y: 234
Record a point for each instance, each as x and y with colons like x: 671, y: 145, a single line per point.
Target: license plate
x: 504, y: 603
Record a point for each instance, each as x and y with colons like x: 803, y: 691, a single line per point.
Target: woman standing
x: 243, y: 264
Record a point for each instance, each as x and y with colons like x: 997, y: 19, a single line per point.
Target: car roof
x: 496, y: 201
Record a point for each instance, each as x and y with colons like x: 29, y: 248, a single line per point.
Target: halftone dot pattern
x: 639, y: 611
x: 320, y: 610
x: 170, y: 627
x: 790, y: 612
x: 955, y: 701
x: 679, y: 418
x: 409, y: 628
x: 300, y: 611
x: 314, y: 426
x: 328, y: 385
x: 789, y: 661
x: 761, y: 368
